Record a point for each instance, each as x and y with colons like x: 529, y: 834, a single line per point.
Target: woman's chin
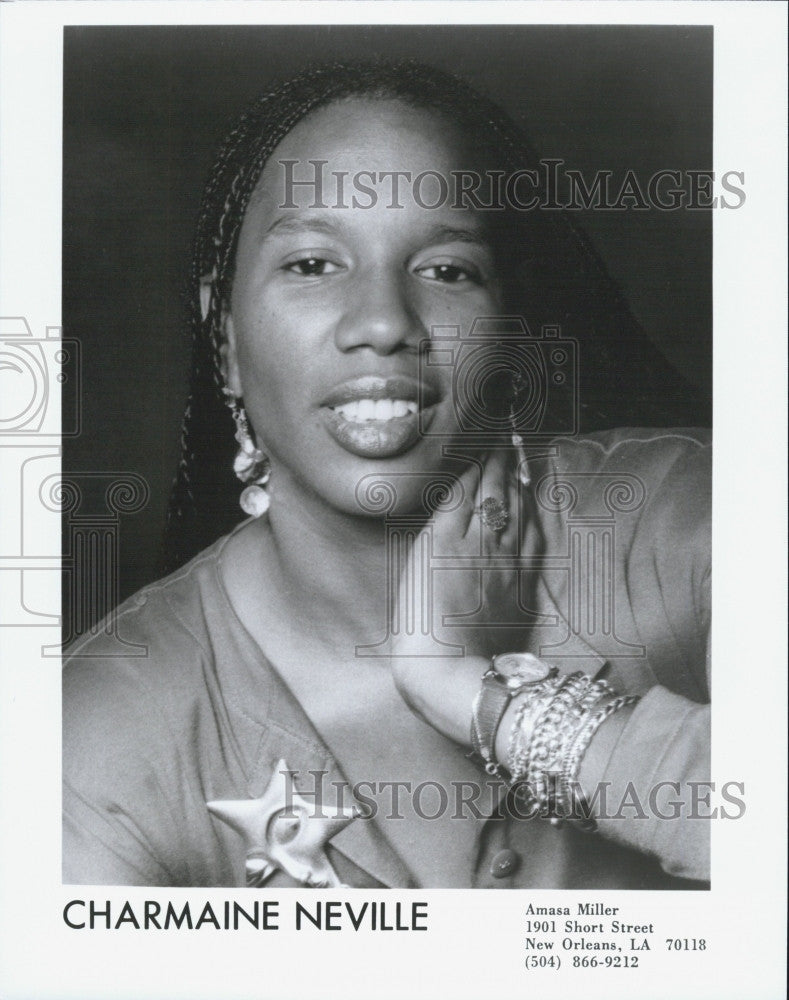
x: 370, y: 472
x: 412, y: 492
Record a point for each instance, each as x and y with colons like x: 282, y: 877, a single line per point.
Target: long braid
x: 574, y: 287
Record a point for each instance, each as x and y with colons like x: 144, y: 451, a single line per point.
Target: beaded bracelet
x: 548, y: 763
x: 561, y: 723
x: 563, y: 692
x: 529, y: 710
x: 548, y: 733
x: 553, y: 728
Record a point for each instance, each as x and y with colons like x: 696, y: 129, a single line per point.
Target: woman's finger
x: 509, y: 538
x: 454, y: 520
x: 493, y: 500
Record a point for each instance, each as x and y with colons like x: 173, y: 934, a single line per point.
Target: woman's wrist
x: 441, y: 690
x: 554, y: 740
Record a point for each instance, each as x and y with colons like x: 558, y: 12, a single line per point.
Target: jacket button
x: 504, y: 863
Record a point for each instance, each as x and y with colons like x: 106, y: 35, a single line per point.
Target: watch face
x: 521, y: 668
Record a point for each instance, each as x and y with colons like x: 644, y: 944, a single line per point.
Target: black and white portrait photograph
x: 438, y: 540
x: 383, y: 504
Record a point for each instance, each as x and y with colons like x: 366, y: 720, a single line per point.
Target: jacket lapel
x: 290, y: 735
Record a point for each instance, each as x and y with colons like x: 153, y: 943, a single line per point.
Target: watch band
x: 507, y: 676
x: 489, y: 707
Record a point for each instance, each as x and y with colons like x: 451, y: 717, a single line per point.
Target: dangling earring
x: 251, y: 466
x: 524, y: 475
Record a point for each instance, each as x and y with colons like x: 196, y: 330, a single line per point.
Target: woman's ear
x: 229, y: 356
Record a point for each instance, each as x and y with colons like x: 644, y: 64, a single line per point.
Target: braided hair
x: 623, y: 378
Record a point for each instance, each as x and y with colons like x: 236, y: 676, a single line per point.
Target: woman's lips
x: 376, y: 417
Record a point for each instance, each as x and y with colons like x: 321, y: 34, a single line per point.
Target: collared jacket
x: 172, y: 705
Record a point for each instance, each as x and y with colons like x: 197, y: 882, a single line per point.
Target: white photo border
x: 475, y: 940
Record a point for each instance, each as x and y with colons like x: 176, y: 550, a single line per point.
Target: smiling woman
x: 329, y: 307
x: 481, y: 631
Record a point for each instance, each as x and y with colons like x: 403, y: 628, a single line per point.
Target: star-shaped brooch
x: 280, y: 831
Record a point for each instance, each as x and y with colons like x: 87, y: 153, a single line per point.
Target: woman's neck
x: 331, y: 567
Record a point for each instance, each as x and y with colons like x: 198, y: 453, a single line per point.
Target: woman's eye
x: 312, y: 267
x: 448, y: 274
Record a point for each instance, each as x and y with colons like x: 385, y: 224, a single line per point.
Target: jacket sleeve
x: 646, y: 775
x: 651, y: 763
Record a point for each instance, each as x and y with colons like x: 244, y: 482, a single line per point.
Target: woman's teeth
x: 361, y: 410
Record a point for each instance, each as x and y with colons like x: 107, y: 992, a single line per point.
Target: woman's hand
x: 457, y: 568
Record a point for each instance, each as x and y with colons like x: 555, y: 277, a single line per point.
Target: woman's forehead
x: 388, y: 119
x: 357, y: 141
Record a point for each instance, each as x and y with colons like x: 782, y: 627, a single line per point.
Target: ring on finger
x: 493, y: 513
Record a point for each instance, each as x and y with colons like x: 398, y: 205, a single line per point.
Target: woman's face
x: 333, y: 301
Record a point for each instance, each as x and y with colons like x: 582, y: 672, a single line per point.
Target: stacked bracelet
x: 528, y: 712
x: 555, y: 731
x: 555, y: 721
x: 549, y: 737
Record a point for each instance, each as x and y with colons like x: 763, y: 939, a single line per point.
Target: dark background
x: 145, y: 108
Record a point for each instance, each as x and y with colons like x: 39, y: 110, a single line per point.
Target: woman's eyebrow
x: 287, y: 224
x: 459, y: 234
x: 300, y: 224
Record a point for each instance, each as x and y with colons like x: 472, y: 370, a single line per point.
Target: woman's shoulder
x: 646, y: 451
x: 656, y: 485
x: 169, y: 605
x: 152, y: 646
x: 631, y: 469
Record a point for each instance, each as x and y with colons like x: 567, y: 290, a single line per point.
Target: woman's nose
x: 380, y: 314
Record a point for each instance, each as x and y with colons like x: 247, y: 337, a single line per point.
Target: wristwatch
x: 508, y: 675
